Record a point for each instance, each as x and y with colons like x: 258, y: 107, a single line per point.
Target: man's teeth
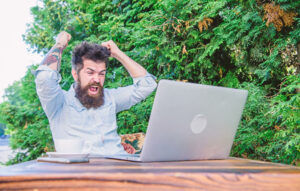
x: 94, y: 88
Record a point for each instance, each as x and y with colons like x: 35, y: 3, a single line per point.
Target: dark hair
x: 85, y: 50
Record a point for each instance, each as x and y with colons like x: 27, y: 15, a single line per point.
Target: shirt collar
x: 73, y: 101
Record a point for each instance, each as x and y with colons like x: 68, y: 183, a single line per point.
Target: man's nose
x: 97, y: 80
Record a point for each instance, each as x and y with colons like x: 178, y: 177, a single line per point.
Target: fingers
x: 65, y: 35
x: 68, y: 36
x: 63, y: 38
x: 112, y: 47
x: 107, y: 44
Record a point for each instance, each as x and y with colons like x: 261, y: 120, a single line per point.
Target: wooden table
x: 109, y: 174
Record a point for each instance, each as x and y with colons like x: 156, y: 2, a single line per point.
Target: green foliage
x: 26, y: 121
x: 274, y: 134
x: 222, y: 42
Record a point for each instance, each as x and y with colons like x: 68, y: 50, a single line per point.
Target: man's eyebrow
x: 95, y: 70
x: 91, y: 69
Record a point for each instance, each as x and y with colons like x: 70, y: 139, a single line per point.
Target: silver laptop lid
x: 192, y: 121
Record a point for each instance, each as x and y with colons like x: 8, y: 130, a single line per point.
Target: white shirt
x: 68, y: 118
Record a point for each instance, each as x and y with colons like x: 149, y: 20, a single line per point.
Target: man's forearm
x: 53, y: 57
x: 135, y: 70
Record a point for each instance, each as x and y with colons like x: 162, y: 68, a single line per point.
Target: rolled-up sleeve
x: 125, y: 97
x: 48, y: 89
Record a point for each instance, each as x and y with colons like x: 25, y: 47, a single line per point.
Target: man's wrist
x: 60, y: 45
x: 118, y: 55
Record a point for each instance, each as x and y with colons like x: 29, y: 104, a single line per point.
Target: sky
x: 14, y: 54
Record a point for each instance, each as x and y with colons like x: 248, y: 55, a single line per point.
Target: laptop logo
x: 198, y: 124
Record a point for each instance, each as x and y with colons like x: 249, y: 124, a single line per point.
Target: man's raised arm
x: 47, y: 77
x: 135, y: 70
x: 144, y: 83
x: 53, y: 58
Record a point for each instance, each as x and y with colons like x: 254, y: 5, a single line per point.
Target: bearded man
x: 87, y: 111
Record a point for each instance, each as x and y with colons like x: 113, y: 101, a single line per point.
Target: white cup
x: 69, y: 145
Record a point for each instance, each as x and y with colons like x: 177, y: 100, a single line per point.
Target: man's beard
x: 85, y: 99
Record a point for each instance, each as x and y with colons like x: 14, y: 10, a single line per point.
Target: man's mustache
x: 94, y: 84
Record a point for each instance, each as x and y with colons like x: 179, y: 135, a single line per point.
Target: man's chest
x: 83, y: 121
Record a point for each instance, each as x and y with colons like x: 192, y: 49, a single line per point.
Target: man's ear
x: 75, y: 75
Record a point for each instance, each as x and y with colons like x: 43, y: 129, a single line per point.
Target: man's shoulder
x: 69, y: 96
x: 110, y: 92
x: 107, y: 92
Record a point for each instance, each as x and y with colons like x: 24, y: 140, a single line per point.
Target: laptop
x: 190, y: 121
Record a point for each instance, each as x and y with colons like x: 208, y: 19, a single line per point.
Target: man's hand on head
x: 62, y: 39
x: 112, y: 47
x: 134, y: 69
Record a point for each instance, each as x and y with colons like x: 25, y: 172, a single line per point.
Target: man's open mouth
x: 93, y: 89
